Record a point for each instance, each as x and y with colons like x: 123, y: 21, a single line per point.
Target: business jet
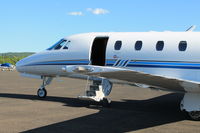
x: 157, y: 60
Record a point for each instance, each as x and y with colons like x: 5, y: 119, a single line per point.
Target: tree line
x: 13, y: 58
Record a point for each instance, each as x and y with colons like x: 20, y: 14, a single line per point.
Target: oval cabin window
x: 182, y: 46
x: 160, y: 45
x: 138, y: 45
x: 118, y: 45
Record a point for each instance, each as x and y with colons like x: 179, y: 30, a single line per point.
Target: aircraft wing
x: 139, y: 78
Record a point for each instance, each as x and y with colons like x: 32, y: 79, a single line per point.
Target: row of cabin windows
x: 159, y: 46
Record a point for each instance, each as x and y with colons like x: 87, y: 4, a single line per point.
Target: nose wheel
x: 41, y: 93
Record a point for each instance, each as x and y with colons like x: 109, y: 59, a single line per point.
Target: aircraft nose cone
x: 19, y: 65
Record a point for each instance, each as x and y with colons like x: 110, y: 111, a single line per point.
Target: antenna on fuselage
x: 192, y: 28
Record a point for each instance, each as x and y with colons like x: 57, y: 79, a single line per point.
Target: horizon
x: 36, y: 25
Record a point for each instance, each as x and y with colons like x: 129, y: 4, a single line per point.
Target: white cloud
x: 75, y: 13
x: 98, y: 11
x: 95, y: 11
x: 89, y: 9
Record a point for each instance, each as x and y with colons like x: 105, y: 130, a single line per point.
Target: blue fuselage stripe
x: 161, y: 66
x: 144, y: 64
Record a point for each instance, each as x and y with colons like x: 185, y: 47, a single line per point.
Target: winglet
x: 192, y: 28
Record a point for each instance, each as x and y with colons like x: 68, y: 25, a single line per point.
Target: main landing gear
x: 42, y: 93
x: 106, y: 102
x: 97, y: 90
x: 194, y: 115
x: 191, y: 104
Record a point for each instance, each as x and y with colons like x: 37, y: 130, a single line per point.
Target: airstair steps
x: 94, y: 87
x: 90, y: 93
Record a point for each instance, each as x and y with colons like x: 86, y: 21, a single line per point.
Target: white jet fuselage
x: 170, y: 61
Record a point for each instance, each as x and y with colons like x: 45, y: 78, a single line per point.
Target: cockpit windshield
x: 58, y: 45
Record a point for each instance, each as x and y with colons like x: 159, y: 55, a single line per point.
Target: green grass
x: 13, y: 58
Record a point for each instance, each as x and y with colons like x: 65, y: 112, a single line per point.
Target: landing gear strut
x: 42, y: 93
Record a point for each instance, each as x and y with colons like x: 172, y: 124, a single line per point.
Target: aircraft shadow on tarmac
x: 123, y: 116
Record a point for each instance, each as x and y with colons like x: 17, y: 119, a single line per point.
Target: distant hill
x: 13, y: 57
x: 17, y: 54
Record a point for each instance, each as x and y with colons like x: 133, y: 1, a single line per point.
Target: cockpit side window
x: 66, y: 46
x: 58, y: 45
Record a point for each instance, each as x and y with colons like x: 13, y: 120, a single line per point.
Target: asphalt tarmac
x: 132, y: 109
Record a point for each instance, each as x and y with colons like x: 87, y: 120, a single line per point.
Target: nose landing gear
x: 42, y: 92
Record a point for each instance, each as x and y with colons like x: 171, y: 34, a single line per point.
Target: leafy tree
x: 13, y: 58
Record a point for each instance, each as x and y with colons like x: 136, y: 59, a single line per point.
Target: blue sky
x: 34, y: 25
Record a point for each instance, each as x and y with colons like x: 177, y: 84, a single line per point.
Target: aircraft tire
x: 106, y: 102
x: 42, y: 93
x: 194, y: 115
